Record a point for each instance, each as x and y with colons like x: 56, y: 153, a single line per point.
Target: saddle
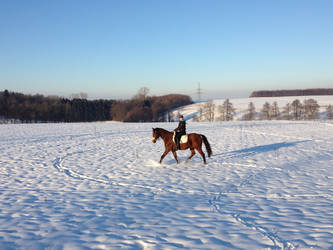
x: 183, y: 138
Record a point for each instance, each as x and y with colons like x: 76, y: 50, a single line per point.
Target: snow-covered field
x: 100, y: 186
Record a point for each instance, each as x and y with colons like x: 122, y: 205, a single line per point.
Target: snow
x: 268, y: 184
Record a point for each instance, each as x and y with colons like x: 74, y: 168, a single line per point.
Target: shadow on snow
x: 260, y: 149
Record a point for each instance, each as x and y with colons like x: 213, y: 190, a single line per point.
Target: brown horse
x: 194, y: 142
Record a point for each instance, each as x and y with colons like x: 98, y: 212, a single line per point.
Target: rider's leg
x: 178, y: 140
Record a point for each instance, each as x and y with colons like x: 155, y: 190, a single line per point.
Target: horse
x: 194, y: 142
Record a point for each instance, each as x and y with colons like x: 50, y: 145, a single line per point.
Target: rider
x: 180, y: 130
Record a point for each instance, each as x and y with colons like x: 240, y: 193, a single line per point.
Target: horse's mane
x: 163, y: 130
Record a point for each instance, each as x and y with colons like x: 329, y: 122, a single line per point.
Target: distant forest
x: 293, y: 92
x: 18, y: 107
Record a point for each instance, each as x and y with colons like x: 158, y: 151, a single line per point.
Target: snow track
x: 70, y: 173
x: 268, y: 185
x: 217, y: 203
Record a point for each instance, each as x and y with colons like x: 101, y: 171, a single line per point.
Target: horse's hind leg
x: 175, y: 155
x: 202, y: 155
x: 192, y: 154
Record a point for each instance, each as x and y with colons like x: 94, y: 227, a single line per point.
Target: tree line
x: 296, y: 110
x: 309, y: 109
x: 292, y: 92
x: 144, y: 108
x: 38, y: 108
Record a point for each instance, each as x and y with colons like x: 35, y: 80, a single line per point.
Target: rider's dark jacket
x: 181, y: 129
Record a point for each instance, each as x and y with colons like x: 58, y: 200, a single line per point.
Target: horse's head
x: 156, y: 135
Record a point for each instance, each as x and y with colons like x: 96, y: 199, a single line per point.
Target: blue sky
x: 110, y: 49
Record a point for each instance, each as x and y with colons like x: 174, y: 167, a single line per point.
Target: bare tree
x: 297, y: 109
x: 222, y: 113
x: 286, y: 113
x: 199, y: 116
x: 142, y: 94
x: 83, y: 95
x: 251, y: 112
x: 170, y: 117
x: 80, y: 95
x: 230, y: 110
x: 311, y: 109
x: 329, y: 112
x: 196, y: 118
x: 201, y: 113
x: 265, y: 111
x: 209, y: 111
x: 226, y: 111
x: 275, y: 111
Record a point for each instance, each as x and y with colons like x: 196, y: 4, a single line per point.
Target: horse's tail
x: 208, y: 148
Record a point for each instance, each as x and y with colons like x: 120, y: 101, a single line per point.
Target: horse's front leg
x: 164, y: 154
x: 175, y: 155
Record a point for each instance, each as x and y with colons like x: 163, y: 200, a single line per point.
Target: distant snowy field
x: 241, y: 104
x: 268, y: 185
